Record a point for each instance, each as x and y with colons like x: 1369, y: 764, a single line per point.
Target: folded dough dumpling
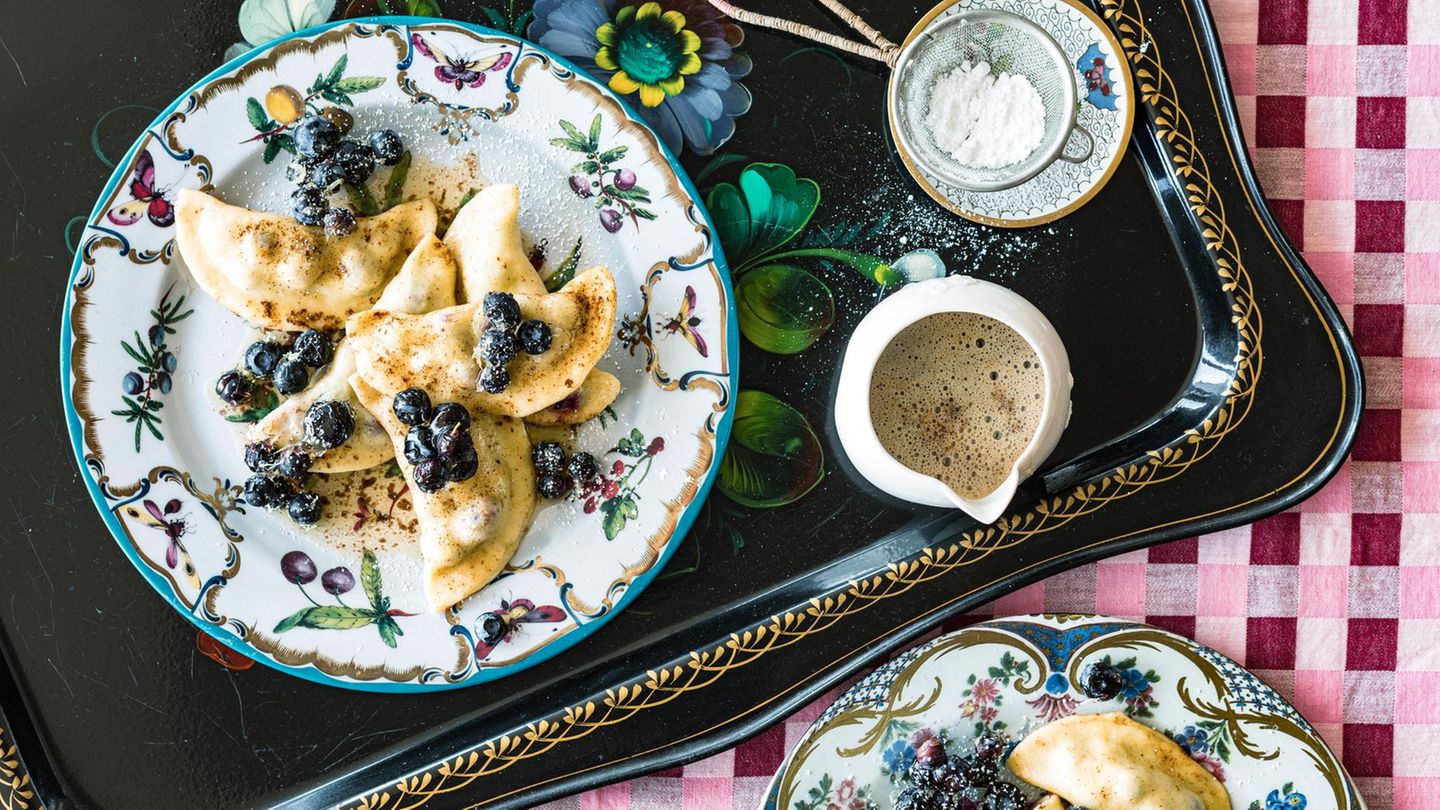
x: 470, y: 529
x: 485, y: 239
x: 426, y: 282
x: 279, y: 274
x: 1110, y: 762
x: 439, y: 352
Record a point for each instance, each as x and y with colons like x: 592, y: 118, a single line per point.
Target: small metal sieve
x: 1009, y: 43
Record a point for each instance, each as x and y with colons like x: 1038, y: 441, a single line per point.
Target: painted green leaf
x: 618, y: 511
x: 337, y: 70
x: 359, y: 84
x: 328, y: 617
x: 782, y: 308
x: 388, y: 630
x: 774, y: 456
x: 370, y: 578
x: 769, y: 209
x: 256, y: 113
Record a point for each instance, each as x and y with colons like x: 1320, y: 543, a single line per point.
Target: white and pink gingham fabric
x: 1336, y: 603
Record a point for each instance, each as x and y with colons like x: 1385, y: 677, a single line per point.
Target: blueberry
x: 134, y: 384
x: 498, y: 347
x: 1102, y: 681
x: 451, y: 444
x: 308, y: 206
x: 298, y: 567
x: 412, y: 407
x: 418, y: 446
x: 291, y: 377
x: 356, y: 159
x: 305, y: 510
x: 949, y: 777
x: 548, y: 457
x: 554, y: 485
x: 494, y: 379
x: 298, y: 172
x: 989, y: 746
x: 313, y: 348
x: 260, y: 456
x: 1004, y: 796
x: 915, y: 798
x: 491, y: 628
x: 429, y: 475
x: 339, y: 221
x: 337, y: 580
x: 316, y: 136
x: 502, y: 310
x: 450, y: 416
x: 328, y: 424
x: 233, y: 387
x: 463, y: 464
x: 262, y: 492
x: 294, y: 462
x: 534, y: 337
x: 262, y: 357
x: 326, y: 176
x: 387, y: 146
x: 922, y: 774
x: 582, y: 467
x: 977, y: 772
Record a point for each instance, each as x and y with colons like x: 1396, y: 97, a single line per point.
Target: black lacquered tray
x: 1214, y: 384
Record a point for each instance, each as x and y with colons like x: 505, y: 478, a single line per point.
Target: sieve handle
x: 882, y: 51
x: 1089, y: 146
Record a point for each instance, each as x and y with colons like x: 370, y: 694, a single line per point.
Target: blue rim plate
x: 1009, y: 676
x: 141, y: 346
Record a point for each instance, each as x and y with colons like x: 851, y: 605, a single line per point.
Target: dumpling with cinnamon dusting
x: 279, y: 274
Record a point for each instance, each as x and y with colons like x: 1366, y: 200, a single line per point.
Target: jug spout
x: 988, y: 508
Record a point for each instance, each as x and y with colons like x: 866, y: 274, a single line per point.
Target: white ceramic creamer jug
x: 853, y: 419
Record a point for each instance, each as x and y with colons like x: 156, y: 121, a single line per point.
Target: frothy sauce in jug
x: 958, y: 396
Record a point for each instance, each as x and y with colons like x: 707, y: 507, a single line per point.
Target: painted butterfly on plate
x: 495, y: 627
x: 462, y: 71
x: 685, y: 323
x: 147, y: 200
x: 174, y: 526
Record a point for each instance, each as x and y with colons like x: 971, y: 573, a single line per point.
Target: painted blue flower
x: 675, y: 61
x: 1135, y: 684
x: 901, y: 754
x: 1194, y: 739
x: 264, y: 20
x: 1057, y: 683
x: 1284, y: 801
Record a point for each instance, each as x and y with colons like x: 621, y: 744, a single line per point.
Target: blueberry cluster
x: 279, y: 473
x: 286, y: 366
x: 557, y: 475
x: 438, y: 443
x: 506, y: 336
x: 325, y: 159
x: 937, y: 780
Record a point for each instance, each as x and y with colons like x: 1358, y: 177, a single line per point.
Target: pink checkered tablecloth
x: 1336, y: 603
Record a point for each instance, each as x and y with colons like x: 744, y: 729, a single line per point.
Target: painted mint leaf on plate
x: 328, y: 617
x: 782, y: 308
x: 774, y: 456
x: 769, y: 209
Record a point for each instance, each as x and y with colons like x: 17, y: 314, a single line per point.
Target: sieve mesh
x: 1010, y: 44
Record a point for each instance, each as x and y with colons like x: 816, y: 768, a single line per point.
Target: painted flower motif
x: 1217, y: 769
x: 676, y: 60
x: 264, y: 20
x: 988, y: 715
x: 846, y: 797
x: 984, y: 691
x: 1285, y: 800
x: 899, y: 756
x: 1194, y: 739
x: 1052, y: 707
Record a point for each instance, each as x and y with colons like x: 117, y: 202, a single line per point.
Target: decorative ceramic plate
x: 1106, y: 111
x: 143, y: 346
x: 1010, y: 676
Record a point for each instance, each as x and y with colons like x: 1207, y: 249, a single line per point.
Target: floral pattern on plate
x: 164, y: 466
x: 1013, y: 675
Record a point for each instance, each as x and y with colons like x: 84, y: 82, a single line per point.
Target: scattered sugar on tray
x: 985, y: 120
